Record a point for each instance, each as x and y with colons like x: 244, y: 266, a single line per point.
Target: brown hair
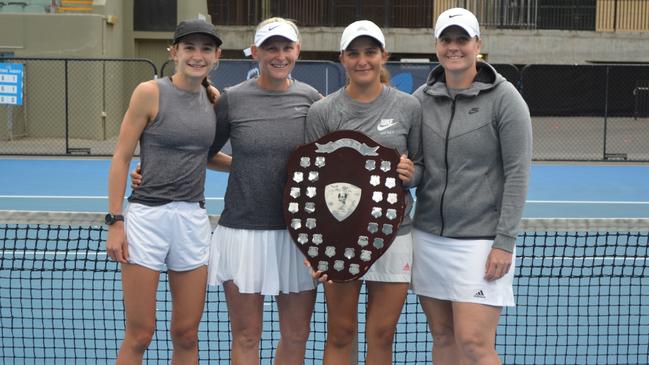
x: 384, y: 75
x: 211, y: 94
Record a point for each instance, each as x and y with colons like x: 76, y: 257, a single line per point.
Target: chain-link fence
x: 579, y: 112
x: 70, y: 106
x: 588, y: 112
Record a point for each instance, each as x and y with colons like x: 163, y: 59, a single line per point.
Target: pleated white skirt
x: 266, y: 262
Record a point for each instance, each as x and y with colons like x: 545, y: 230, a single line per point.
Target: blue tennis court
x: 556, y: 190
x: 582, y: 291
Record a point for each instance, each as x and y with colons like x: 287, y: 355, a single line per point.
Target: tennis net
x: 582, y: 291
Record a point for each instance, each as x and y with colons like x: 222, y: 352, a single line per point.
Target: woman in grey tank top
x: 393, y: 119
x: 252, y: 253
x: 173, y: 119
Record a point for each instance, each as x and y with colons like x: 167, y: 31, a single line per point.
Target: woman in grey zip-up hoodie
x: 477, y: 146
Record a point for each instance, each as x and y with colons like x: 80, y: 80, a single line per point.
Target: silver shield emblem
x: 303, y: 238
x: 317, y: 238
x: 342, y: 199
x: 319, y: 161
x: 375, y: 180
x: 339, y: 265
x: 305, y: 162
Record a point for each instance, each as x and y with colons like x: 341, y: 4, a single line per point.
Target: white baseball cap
x: 361, y: 28
x: 279, y: 28
x: 460, y: 17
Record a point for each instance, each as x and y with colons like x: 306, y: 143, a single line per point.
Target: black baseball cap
x: 196, y: 26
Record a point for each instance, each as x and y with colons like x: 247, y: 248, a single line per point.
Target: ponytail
x: 385, y: 76
x: 211, y: 94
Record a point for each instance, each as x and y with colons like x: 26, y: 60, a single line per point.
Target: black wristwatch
x: 110, y: 218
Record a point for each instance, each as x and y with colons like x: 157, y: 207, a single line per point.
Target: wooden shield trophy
x: 343, y: 202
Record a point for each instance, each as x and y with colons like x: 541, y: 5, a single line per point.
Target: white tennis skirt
x: 452, y: 269
x: 266, y: 262
x: 394, y: 266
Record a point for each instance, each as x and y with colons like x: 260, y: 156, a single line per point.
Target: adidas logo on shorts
x: 479, y: 294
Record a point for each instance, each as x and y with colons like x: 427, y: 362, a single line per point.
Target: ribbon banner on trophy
x: 343, y: 202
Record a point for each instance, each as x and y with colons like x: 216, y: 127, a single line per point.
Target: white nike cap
x: 281, y: 29
x: 460, y: 17
x: 358, y: 29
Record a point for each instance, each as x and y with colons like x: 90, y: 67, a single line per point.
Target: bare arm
x: 142, y: 107
x: 220, y: 162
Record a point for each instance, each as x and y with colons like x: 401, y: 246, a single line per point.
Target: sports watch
x: 110, y: 218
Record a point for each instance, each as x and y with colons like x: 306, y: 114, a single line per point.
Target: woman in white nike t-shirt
x: 392, y: 118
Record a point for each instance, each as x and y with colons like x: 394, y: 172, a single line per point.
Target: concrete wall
x: 564, y: 47
x: 99, y: 34
x: 52, y: 35
x: 501, y: 46
x: 109, y: 33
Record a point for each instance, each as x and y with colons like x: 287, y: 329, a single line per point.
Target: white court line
x: 99, y: 253
x: 66, y: 197
x: 585, y: 258
x: 215, y: 198
x: 584, y: 202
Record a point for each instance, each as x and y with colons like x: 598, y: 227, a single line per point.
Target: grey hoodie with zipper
x: 477, y: 150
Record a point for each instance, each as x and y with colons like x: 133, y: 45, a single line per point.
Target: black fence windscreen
x: 564, y: 90
x: 588, y: 112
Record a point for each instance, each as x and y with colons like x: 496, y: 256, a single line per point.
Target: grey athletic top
x: 393, y: 120
x: 264, y: 128
x: 174, y: 147
x: 478, y: 154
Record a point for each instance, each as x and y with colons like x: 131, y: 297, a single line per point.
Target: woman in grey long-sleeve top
x: 477, y: 141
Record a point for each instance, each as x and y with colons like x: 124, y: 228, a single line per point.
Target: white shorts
x: 265, y: 262
x: 176, y: 234
x: 452, y: 269
x: 395, y: 264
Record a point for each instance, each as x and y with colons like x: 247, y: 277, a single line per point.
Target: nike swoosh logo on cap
x: 453, y: 16
x: 271, y: 28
